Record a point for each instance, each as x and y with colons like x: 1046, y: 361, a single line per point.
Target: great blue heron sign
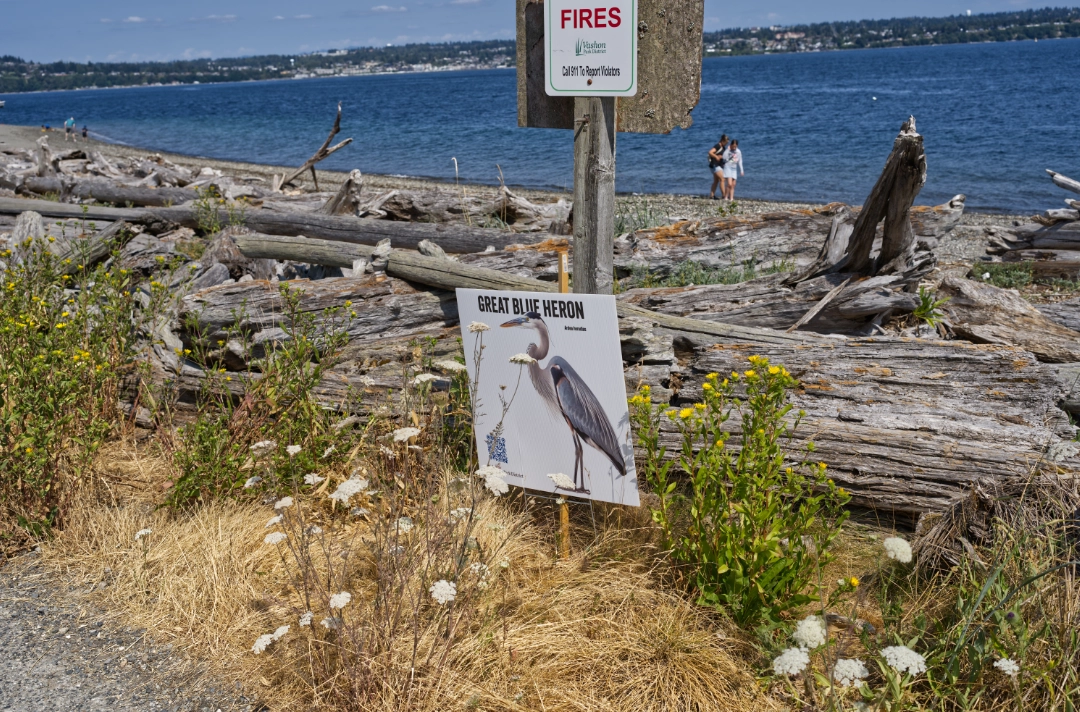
x: 550, y: 402
x: 591, y: 47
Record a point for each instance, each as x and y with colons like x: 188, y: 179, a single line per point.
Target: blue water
x: 994, y: 116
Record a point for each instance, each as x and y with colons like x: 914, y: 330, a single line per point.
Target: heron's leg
x: 579, y: 463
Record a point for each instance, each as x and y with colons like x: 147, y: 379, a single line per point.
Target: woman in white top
x: 733, y: 168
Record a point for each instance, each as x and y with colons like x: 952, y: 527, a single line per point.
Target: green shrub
x: 752, y: 530
x: 213, y: 454
x: 68, y: 335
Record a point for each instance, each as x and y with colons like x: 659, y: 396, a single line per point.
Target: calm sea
x: 994, y: 116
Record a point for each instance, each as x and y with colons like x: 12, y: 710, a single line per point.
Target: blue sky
x: 120, y: 30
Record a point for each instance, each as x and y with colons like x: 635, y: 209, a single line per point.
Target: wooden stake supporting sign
x: 631, y: 66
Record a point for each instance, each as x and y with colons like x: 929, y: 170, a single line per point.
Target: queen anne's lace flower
x: 293, y: 450
x: 423, y: 378
x: 810, y: 633
x: 328, y: 451
x: 340, y: 600
x: 283, y: 503
x: 477, y: 327
x: 280, y: 632
x: 143, y: 532
x: 348, y: 488
x: 263, y: 447
x: 272, y: 521
x: 494, y: 480
x: 314, y: 530
x: 848, y: 672
x: 562, y: 481
x: 312, y: 479
x: 903, y: 659
x: 459, y: 513
x: 443, y: 591
x: 522, y: 359
x: 252, y: 481
x: 275, y: 538
x: 403, y: 434
x: 791, y: 662
x: 897, y: 549
x: 330, y: 623
x: 452, y: 366
x: 305, y: 619
x: 1008, y: 666
x: 261, y: 643
x: 404, y: 525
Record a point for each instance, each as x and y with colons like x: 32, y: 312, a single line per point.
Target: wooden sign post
x: 586, y: 96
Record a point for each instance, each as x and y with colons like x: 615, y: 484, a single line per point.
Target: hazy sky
x: 85, y: 30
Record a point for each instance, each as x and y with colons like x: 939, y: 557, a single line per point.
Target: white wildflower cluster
x: 330, y: 623
x: 811, y: 633
x: 423, y: 378
x: 293, y: 450
x: 504, y: 564
x: 1008, y: 666
x: 451, y: 366
x: 903, y: 659
x: 522, y: 359
x: 143, y: 532
x: 359, y: 511
x: 312, y: 479
x: 404, y: 525
x: 481, y: 572
x: 305, y: 619
x: 478, y: 327
x: 275, y: 538
x: 403, y: 434
x: 443, y: 591
x: 264, y: 641
x: 897, y: 549
x: 340, y: 600
x: 460, y: 513
x: 314, y: 530
x: 848, y: 672
x: 273, y: 521
x: 791, y: 662
x: 328, y: 451
x: 494, y: 480
x: 387, y: 452
x: 252, y: 481
x: 561, y: 481
x: 283, y: 503
x: 348, y: 488
x: 263, y: 447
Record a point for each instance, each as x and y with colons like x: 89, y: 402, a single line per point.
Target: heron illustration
x: 567, y: 394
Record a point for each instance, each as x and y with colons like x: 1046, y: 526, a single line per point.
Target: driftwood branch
x: 324, y: 151
x: 347, y: 200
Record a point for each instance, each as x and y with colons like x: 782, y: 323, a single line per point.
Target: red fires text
x: 592, y: 17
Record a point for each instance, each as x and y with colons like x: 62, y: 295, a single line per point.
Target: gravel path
x: 62, y: 654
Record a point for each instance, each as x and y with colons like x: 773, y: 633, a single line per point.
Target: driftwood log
x: 347, y: 200
x: 905, y: 424
x: 324, y: 151
x: 107, y: 191
x: 340, y: 228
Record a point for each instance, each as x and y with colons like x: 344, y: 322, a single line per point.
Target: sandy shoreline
x: 966, y: 243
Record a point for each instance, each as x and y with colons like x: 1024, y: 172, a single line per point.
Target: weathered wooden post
x: 597, y: 67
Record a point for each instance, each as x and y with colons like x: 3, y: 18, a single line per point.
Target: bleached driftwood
x: 325, y: 150
x: 106, y: 191
x: 347, y: 200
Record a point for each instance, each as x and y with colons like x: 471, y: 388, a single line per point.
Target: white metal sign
x: 591, y: 47
x: 550, y: 404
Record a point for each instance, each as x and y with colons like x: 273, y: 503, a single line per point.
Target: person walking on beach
x: 716, y: 164
x: 69, y: 130
x: 84, y: 132
x: 733, y: 168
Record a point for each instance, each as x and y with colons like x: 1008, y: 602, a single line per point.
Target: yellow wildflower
x: 645, y: 388
x: 841, y: 491
x: 706, y: 386
x: 686, y: 413
x: 822, y: 465
x: 725, y: 382
x: 853, y: 581
x: 699, y: 406
x: 750, y: 373
x: 348, y: 304
x: 671, y: 413
x: 773, y: 370
x: 712, y: 376
x: 61, y: 325
x: 789, y: 471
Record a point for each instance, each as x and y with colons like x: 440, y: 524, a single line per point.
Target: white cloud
x: 302, y: 17
x: 134, y: 19
x: 387, y: 8
x: 278, y: 17
x: 464, y: 2
x: 105, y: 19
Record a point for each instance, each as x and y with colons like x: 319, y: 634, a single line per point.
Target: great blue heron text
x: 552, y: 308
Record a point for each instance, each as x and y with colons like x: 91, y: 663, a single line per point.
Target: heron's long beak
x: 515, y: 322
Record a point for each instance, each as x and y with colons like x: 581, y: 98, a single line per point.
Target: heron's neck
x: 539, y: 351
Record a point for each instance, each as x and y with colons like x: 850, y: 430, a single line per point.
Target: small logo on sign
x: 585, y: 47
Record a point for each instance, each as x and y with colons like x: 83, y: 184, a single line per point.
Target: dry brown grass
x: 589, y: 633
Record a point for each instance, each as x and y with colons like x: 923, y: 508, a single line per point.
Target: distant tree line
x: 1047, y: 23
x: 18, y: 75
